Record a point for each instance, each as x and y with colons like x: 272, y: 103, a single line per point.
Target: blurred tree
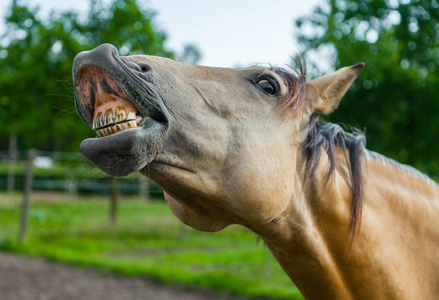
x: 125, y: 25
x: 23, y: 75
x: 396, y: 96
x: 36, y: 59
x: 191, y: 55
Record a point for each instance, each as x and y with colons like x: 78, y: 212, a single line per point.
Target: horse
x: 245, y: 146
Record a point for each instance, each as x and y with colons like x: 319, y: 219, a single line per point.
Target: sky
x: 228, y: 33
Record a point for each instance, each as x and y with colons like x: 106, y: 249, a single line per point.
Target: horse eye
x: 267, y: 86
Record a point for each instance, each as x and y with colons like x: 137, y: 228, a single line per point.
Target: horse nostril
x: 137, y: 66
x: 144, y: 67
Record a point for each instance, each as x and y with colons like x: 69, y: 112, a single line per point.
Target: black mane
x: 328, y: 136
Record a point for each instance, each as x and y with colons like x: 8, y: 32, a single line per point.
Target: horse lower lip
x: 126, y: 152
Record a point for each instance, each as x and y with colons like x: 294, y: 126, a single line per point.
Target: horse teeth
x: 108, y: 123
x: 121, y: 114
x: 131, y: 115
x: 132, y: 124
x: 96, y: 121
x: 108, y: 115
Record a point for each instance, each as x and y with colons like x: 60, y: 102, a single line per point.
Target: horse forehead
x: 197, y: 72
x: 191, y: 90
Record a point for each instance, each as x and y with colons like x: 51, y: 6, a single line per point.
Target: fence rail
x: 70, y: 172
x: 31, y: 170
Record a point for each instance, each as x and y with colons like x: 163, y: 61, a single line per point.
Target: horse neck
x: 404, y: 186
x: 313, y: 241
x: 299, y: 238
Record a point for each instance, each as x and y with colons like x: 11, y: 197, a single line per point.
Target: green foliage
x: 125, y: 25
x: 36, y: 99
x: 396, y: 96
x: 148, y: 241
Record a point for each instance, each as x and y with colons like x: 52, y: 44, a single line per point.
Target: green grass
x: 148, y: 240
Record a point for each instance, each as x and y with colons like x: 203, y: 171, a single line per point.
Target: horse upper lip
x: 106, y: 74
x: 96, y: 87
x: 104, y: 101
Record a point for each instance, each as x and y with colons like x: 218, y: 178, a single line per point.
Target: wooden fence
x: 27, y: 171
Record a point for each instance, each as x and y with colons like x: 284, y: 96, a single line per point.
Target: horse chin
x: 199, y: 220
x: 127, y: 151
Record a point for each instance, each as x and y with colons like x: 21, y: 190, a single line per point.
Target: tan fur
x: 230, y: 157
x: 395, y: 255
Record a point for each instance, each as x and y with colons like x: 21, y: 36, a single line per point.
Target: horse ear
x: 323, y: 94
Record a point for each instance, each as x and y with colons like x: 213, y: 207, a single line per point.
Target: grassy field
x: 148, y: 240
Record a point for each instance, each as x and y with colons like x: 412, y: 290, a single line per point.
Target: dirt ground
x: 23, y: 278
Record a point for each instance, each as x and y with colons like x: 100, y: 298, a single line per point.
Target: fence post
x: 72, y: 184
x: 12, y: 162
x: 26, y: 195
x: 114, y: 200
x: 144, y: 187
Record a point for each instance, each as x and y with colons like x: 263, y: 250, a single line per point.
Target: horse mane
x: 329, y: 136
